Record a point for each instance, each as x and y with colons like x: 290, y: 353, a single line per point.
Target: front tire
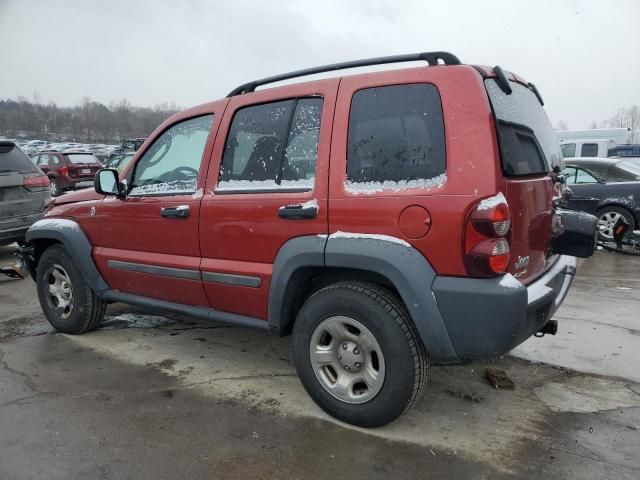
x: 607, y: 218
x: 67, y: 300
x: 358, y: 355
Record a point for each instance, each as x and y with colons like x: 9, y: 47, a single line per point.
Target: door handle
x: 181, y: 211
x: 298, y: 211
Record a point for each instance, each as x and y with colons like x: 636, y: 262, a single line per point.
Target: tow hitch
x: 551, y: 327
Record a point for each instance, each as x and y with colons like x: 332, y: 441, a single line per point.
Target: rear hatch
x: 83, y: 166
x: 529, y: 150
x: 23, y: 187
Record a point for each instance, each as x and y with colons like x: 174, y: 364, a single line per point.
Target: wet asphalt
x: 147, y: 396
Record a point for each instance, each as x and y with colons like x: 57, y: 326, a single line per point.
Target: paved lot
x: 153, y: 397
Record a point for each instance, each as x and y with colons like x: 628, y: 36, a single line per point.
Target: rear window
x: 396, y: 138
x: 81, y: 158
x: 528, y: 145
x: 627, y: 172
x: 13, y: 160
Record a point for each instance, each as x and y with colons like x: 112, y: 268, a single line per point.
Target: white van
x: 594, y: 142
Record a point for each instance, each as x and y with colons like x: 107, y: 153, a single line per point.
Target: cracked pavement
x: 151, y: 396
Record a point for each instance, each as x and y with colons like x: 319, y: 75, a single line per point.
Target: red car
x: 68, y: 171
x: 384, y: 220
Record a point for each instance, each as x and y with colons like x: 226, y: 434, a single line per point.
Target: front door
x: 149, y: 242
x: 267, y: 184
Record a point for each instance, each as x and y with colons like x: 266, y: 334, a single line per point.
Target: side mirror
x: 107, y: 182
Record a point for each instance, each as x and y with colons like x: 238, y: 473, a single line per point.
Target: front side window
x: 568, y: 150
x: 589, y: 150
x: 172, y: 164
x: 570, y: 175
x: 273, y: 146
x: 396, y: 139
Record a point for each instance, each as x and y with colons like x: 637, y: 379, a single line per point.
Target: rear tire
x: 358, y: 354
x: 67, y: 300
x: 607, y: 216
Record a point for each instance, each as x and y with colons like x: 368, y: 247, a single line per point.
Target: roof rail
x: 431, y: 58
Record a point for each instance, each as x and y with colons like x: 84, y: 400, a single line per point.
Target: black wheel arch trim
x: 72, y: 237
x: 404, y: 266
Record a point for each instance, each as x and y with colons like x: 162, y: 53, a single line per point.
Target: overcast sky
x: 583, y: 55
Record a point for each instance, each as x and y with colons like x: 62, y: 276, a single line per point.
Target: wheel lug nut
x: 356, y: 351
x: 358, y: 364
x: 344, y: 346
x: 339, y: 357
x: 346, y: 367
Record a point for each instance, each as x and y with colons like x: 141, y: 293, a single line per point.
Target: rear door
x: 528, y: 150
x: 149, y: 242
x: 267, y: 185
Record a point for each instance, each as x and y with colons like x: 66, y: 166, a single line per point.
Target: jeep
x: 384, y: 220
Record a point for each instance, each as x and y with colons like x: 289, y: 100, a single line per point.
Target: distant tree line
x: 89, y: 122
x: 623, y: 118
x: 626, y: 118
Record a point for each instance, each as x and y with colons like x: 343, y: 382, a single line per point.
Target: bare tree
x: 626, y: 118
x: 562, y: 125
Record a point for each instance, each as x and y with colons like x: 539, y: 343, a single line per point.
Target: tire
x: 67, y: 300
x: 54, y: 187
x: 607, y: 216
x: 394, y: 362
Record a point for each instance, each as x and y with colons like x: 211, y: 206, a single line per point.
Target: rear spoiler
x: 503, y: 78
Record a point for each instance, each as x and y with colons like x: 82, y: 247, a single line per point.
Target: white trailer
x: 594, y: 142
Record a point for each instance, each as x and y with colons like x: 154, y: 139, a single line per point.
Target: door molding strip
x: 187, y: 274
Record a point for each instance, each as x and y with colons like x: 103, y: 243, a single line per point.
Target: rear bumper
x: 489, y: 317
x: 14, y: 228
x: 77, y: 184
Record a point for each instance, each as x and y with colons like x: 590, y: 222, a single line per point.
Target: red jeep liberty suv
x: 385, y: 220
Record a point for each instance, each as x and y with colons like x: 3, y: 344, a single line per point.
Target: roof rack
x: 432, y: 58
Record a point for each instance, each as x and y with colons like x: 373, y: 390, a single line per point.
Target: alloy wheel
x: 53, y: 188
x: 59, y: 290
x: 606, y: 222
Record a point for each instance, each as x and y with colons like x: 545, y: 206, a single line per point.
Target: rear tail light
x: 486, y: 246
x: 64, y: 171
x: 39, y: 183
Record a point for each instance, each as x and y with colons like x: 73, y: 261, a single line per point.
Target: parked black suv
x: 24, y: 193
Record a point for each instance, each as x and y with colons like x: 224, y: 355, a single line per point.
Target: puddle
x: 134, y: 320
x: 587, y: 395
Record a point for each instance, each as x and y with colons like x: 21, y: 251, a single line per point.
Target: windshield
x: 82, y: 158
x: 527, y: 143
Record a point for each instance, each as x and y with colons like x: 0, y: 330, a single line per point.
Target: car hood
x: 77, y: 196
